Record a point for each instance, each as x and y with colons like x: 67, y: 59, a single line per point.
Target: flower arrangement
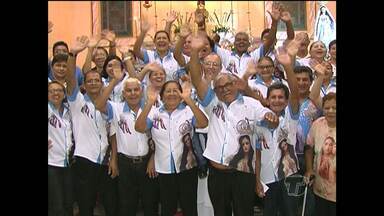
x: 222, y: 24
x: 180, y: 22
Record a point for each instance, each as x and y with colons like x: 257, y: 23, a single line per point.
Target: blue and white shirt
x: 227, y: 123
x: 60, y: 133
x: 260, y: 85
x: 89, y: 127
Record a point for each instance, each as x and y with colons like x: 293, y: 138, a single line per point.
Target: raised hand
x: 285, y: 16
x: 186, y: 94
x: 50, y: 26
x: 151, y: 94
x: 122, y: 47
x: 171, y: 17
x: 108, y: 35
x: 276, y: 11
x: 145, y: 26
x: 93, y: 42
x: 251, y: 70
x: 80, y: 44
x: 185, y: 30
x: 283, y: 57
x: 293, y: 47
x: 117, y: 72
x: 197, y: 43
x: 318, y: 67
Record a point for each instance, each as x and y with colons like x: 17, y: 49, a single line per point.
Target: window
x: 297, y: 9
x: 117, y: 16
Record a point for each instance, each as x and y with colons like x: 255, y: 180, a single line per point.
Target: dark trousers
x: 90, y: 179
x: 325, y: 207
x: 310, y: 201
x: 277, y: 200
x: 230, y: 188
x: 180, y: 187
x: 133, y: 184
x: 60, y: 191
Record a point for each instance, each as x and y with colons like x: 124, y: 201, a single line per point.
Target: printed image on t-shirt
x: 326, y: 168
x: 188, y: 158
x: 288, y: 162
x: 243, y: 160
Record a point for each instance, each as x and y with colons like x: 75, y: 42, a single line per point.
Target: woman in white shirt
x: 168, y: 124
x: 60, y: 183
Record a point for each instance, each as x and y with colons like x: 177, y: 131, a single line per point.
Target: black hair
x: 59, y: 43
x: 240, y: 155
x: 107, y: 60
x: 265, y: 31
x: 266, y: 58
x: 278, y: 85
x: 162, y: 31
x: 331, y: 44
x: 102, y: 48
x: 59, y: 58
x: 304, y: 69
x: 167, y: 83
x: 91, y: 71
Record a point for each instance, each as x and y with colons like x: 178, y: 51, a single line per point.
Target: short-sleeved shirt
x: 260, y: 85
x: 89, y: 128
x: 172, y: 132
x: 308, y: 112
x: 324, y: 90
x: 129, y: 141
x: 227, y: 123
x: 234, y: 63
x: 169, y: 63
x: 275, y: 163
x: 323, y: 139
x: 60, y: 133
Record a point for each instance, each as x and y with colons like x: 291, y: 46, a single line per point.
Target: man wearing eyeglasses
x: 230, y: 116
x: 95, y: 168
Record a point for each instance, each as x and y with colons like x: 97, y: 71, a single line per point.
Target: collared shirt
x: 234, y: 63
x: 308, y: 113
x: 260, y: 85
x: 322, y: 139
x: 324, y: 90
x: 89, y: 127
x: 129, y: 141
x: 274, y: 164
x: 228, y: 123
x: 60, y: 133
x: 169, y: 132
x: 168, y: 62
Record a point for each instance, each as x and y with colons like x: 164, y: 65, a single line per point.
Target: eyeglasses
x: 221, y: 88
x: 92, y: 81
x: 52, y: 91
x: 208, y: 63
x: 265, y: 67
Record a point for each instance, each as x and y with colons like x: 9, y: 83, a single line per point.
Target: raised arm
x: 178, y: 52
x: 88, y: 60
x: 141, y: 123
x: 275, y: 15
x: 168, y: 22
x: 195, y: 68
x: 201, y: 119
x: 101, y: 100
x: 243, y: 84
x: 111, y: 37
x: 286, y: 60
x: 286, y: 18
x: 80, y: 44
x: 320, y: 69
x: 139, y: 41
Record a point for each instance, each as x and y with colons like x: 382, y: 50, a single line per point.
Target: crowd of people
x: 162, y: 127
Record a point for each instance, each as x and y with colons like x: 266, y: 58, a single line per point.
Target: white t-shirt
x: 228, y: 123
x: 274, y: 167
x: 89, y: 127
x: 60, y: 133
x: 117, y: 92
x: 260, y: 85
